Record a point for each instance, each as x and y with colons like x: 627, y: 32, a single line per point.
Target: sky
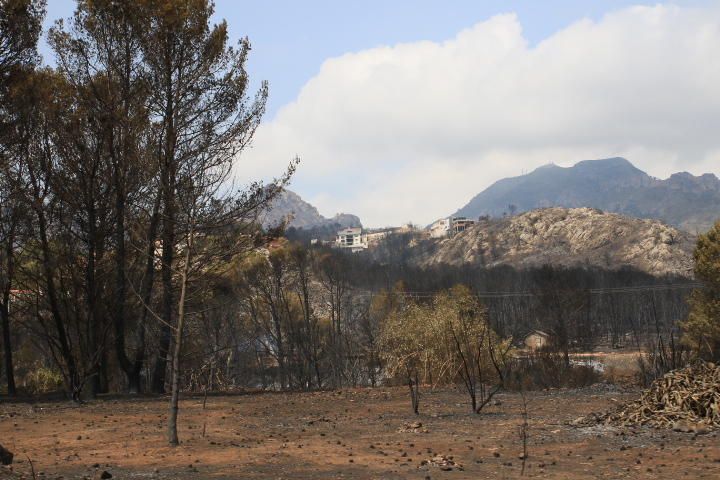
x: 401, y: 111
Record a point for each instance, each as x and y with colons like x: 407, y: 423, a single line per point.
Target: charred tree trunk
x: 7, y: 346
x: 120, y: 288
x: 175, y: 369
x: 414, y: 386
x: 92, y: 334
x: 5, y: 313
x: 168, y: 179
x: 134, y: 377
x: 168, y: 241
x: 72, y: 372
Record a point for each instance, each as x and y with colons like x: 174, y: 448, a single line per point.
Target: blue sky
x: 404, y: 110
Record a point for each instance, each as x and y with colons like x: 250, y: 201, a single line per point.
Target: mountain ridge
x: 686, y: 201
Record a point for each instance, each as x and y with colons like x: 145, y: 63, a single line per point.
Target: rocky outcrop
x: 568, y: 237
x: 291, y: 208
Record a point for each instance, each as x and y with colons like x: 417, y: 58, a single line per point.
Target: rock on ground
x: 6, y: 456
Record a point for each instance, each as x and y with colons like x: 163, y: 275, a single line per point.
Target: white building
x: 351, y: 238
x: 446, y: 227
x: 374, y: 237
x: 440, y: 229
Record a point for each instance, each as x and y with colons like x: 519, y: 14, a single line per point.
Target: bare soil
x: 360, y: 433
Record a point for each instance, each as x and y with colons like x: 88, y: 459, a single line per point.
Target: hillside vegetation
x: 567, y: 237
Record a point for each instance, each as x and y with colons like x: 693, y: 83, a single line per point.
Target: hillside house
x: 374, y: 237
x: 351, y: 238
x: 536, y: 340
x: 460, y: 224
x: 447, y: 227
x: 440, y: 229
x: 407, y: 228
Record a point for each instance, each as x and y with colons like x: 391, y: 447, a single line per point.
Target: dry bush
x: 548, y: 369
x: 447, y: 340
x: 660, y: 357
x: 611, y: 375
x: 41, y: 379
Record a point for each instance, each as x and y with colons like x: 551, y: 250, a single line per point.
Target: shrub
x: 660, y: 358
x: 547, y: 369
x: 42, y: 379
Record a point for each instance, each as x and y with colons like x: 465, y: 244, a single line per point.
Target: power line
x: 592, y: 291
x: 644, y: 288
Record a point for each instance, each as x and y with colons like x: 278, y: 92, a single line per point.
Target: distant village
x: 358, y: 239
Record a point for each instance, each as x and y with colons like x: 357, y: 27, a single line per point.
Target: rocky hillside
x: 569, y: 237
x: 615, y: 185
x: 290, y: 206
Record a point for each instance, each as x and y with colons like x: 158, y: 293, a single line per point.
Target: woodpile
x: 687, y: 399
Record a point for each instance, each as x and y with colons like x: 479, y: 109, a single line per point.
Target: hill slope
x: 569, y: 237
x: 683, y: 200
x: 289, y: 205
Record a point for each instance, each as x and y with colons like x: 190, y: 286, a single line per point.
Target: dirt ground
x: 347, y: 434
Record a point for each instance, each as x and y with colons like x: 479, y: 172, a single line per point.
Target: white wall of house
x: 440, y: 228
x: 352, y: 238
x: 446, y: 227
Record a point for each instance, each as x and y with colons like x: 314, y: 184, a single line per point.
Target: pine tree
x: 702, y: 327
x: 20, y: 26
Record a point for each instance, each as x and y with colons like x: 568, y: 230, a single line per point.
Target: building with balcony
x: 352, y: 239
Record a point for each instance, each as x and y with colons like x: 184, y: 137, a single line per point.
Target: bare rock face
x: 568, y: 237
x: 289, y: 207
x: 6, y: 456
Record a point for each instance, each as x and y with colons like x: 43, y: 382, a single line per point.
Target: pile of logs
x: 688, y: 396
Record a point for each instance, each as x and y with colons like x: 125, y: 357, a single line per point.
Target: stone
x: 6, y: 456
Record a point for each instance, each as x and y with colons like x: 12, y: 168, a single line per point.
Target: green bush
x: 41, y: 379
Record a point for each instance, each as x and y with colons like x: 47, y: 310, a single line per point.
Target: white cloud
x: 413, y: 131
